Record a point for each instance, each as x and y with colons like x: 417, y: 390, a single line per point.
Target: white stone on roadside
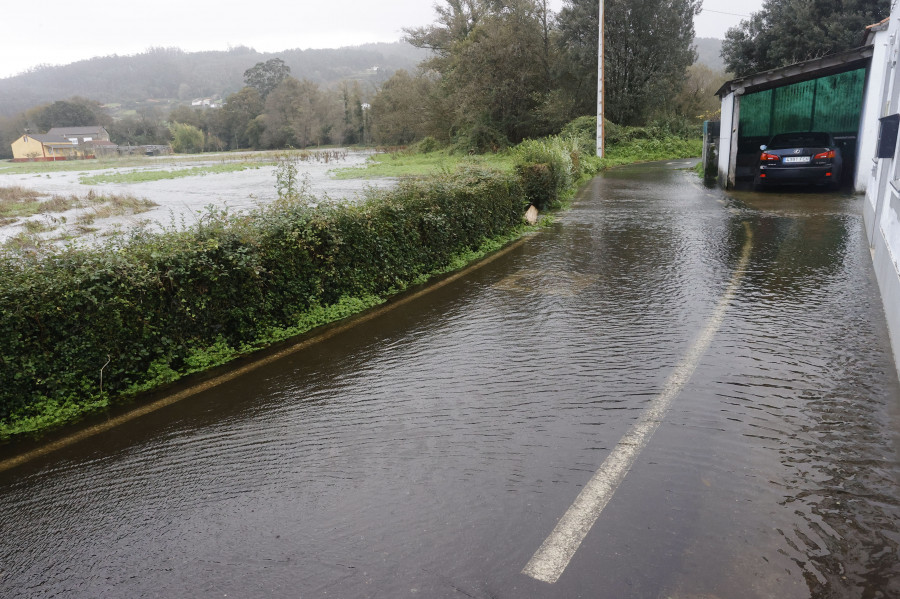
x: 531, y: 217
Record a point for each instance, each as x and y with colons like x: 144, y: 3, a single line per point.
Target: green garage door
x: 831, y: 104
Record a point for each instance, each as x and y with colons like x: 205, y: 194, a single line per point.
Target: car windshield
x: 799, y: 140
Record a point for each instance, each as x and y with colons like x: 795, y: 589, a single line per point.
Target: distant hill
x: 709, y: 52
x: 172, y: 74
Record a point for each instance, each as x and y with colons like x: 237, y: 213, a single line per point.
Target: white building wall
x: 882, y: 204
x: 873, y: 108
x: 726, y: 132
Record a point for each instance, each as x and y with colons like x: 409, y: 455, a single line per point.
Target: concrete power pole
x: 600, y: 88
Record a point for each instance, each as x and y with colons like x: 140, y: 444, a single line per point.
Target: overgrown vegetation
x: 662, y: 140
x: 17, y: 203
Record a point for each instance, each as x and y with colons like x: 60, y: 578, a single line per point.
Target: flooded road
x: 429, y: 452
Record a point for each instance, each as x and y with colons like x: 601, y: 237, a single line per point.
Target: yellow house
x: 43, y: 148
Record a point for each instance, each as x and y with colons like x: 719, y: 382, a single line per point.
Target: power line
x: 719, y: 12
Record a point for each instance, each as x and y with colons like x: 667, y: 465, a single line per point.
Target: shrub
x: 186, y: 139
x: 546, y: 169
x: 480, y: 138
x: 150, y: 308
x: 428, y: 145
x: 584, y: 130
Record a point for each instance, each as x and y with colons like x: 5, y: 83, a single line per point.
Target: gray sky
x: 65, y: 31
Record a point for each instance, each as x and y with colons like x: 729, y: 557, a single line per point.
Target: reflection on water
x: 429, y: 452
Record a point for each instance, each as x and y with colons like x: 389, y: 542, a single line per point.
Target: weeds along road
x: 672, y: 392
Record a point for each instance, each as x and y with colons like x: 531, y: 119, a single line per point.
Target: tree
x: 353, y: 126
x: 232, y: 122
x: 186, y: 139
x: 696, y: 100
x: 266, y: 76
x: 147, y: 128
x: 493, y: 60
x: 789, y: 31
x: 297, y: 115
x: 648, y: 48
x: 10, y: 130
x: 75, y: 112
x: 188, y: 116
x: 577, y: 39
x: 400, y: 109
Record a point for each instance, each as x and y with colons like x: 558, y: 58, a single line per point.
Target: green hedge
x: 150, y: 308
x: 548, y: 168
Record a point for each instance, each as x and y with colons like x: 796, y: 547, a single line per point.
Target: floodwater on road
x: 430, y: 451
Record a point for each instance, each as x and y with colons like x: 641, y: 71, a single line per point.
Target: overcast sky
x: 65, y: 31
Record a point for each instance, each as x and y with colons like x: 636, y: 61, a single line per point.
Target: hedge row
x: 80, y: 326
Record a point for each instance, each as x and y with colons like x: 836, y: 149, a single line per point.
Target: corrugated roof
x: 74, y: 131
x: 802, y: 71
x: 47, y: 138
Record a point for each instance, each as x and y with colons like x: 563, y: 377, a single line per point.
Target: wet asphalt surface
x: 428, y: 452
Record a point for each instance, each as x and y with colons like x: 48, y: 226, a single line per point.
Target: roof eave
x: 801, y: 71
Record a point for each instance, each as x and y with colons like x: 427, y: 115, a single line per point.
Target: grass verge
x: 144, y: 176
x: 412, y: 164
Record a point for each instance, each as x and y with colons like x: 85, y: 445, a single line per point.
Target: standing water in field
x: 233, y: 182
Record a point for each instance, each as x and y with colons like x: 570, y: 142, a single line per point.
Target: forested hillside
x: 709, y: 52
x: 169, y: 73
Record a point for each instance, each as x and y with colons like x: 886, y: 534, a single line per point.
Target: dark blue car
x: 800, y: 158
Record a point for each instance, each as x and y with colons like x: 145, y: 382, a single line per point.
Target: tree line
x: 785, y: 32
x: 274, y: 110
x: 496, y: 72
x: 503, y: 71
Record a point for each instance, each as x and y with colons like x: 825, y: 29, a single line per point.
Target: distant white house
x: 205, y: 103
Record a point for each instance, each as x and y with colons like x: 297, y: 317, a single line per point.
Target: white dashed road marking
x: 554, y: 555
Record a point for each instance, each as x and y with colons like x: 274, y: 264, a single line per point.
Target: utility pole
x: 600, y: 87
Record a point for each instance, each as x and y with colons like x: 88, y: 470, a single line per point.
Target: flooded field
x: 169, y: 201
x: 430, y: 451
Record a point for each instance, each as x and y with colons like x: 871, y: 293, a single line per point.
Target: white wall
x: 872, y: 110
x: 882, y: 204
x: 725, y: 134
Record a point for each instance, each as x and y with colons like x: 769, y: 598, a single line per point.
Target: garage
x: 822, y: 95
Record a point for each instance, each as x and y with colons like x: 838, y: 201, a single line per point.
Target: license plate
x: 795, y: 159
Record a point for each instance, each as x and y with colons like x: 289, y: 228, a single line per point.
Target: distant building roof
x: 76, y: 131
x: 49, y: 138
